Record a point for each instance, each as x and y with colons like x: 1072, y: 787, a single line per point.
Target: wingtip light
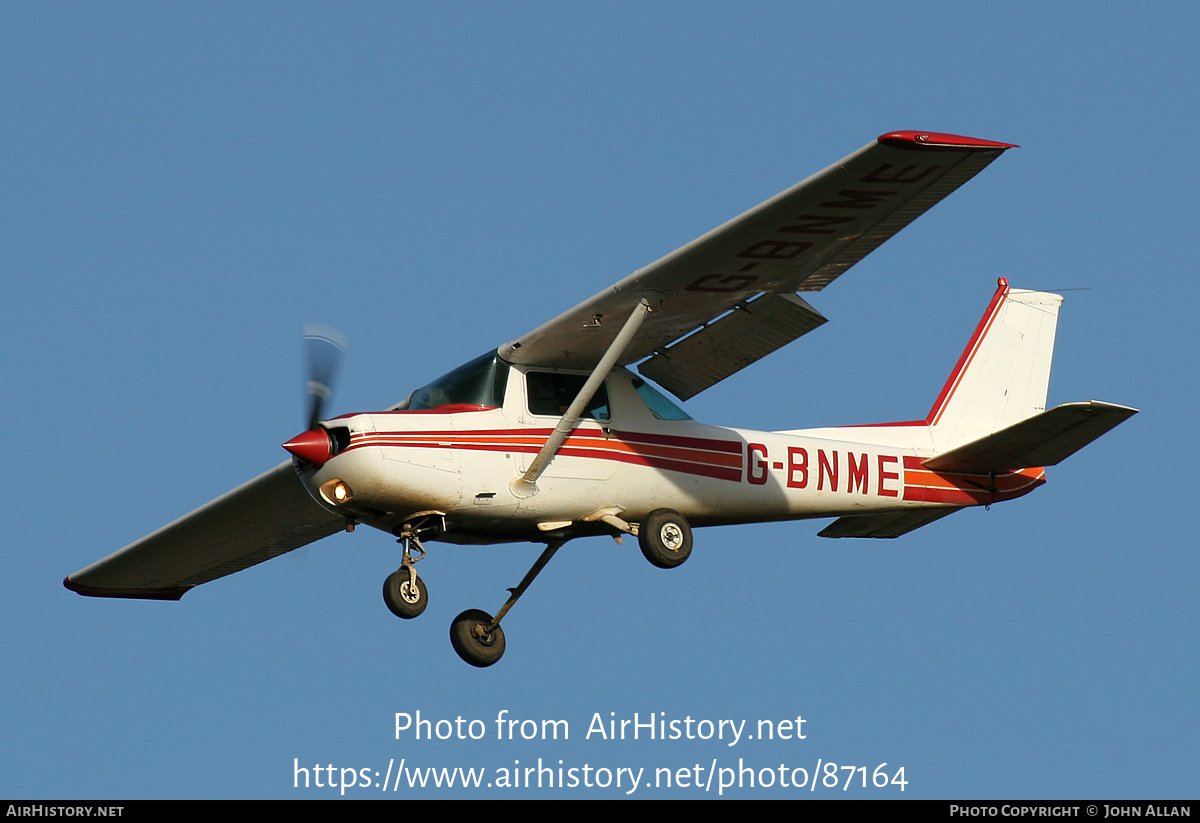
x: 931, y: 138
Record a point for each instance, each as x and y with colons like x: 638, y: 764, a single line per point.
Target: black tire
x: 480, y: 652
x: 665, y: 538
x: 398, y: 594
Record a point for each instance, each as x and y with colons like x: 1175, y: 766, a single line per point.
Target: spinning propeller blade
x: 325, y: 346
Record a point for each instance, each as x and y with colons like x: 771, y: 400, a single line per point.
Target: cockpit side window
x: 478, y: 383
x: 658, y: 404
x: 551, y: 394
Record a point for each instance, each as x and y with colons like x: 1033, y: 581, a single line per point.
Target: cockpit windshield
x: 478, y: 383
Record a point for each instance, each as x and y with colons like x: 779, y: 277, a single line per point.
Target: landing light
x: 336, y: 491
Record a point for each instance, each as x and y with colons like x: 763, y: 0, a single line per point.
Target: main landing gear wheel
x: 665, y: 538
x: 405, y: 599
x: 473, y: 642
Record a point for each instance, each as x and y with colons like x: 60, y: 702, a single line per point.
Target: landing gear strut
x: 403, y: 592
x: 476, y: 636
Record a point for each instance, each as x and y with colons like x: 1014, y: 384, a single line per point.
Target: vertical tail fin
x: 1003, y: 374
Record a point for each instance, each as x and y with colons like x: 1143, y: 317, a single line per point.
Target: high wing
x: 729, y: 298
x: 263, y: 518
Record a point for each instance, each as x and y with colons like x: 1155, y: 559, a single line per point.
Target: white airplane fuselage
x: 462, y: 461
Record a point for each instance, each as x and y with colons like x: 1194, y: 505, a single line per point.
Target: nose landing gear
x: 403, y: 592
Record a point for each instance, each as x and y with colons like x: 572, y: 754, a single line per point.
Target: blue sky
x: 184, y: 186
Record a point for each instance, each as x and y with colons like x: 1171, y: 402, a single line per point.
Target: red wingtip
x: 932, y: 138
x: 1002, y: 282
x: 311, y: 446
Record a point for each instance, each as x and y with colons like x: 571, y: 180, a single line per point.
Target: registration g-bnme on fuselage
x: 551, y: 437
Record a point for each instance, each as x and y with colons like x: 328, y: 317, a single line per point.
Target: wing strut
x: 526, y: 484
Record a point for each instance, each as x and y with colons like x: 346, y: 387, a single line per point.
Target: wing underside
x: 799, y: 240
x: 263, y: 518
x: 731, y: 343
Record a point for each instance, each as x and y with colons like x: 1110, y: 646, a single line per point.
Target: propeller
x: 325, y: 346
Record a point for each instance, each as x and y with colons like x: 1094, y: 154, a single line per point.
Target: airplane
x: 550, y: 437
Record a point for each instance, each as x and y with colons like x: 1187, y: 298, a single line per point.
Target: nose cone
x: 313, y: 446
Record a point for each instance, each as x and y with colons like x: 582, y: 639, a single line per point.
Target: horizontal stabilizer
x: 887, y: 525
x: 1045, y: 439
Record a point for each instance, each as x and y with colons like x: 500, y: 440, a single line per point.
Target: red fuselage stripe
x: 720, y: 459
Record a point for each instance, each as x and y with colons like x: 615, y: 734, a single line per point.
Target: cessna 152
x: 549, y: 438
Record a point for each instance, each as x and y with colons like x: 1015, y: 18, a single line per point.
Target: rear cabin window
x: 551, y: 394
x: 658, y: 403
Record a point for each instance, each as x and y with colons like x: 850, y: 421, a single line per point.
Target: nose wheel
x: 405, y: 593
